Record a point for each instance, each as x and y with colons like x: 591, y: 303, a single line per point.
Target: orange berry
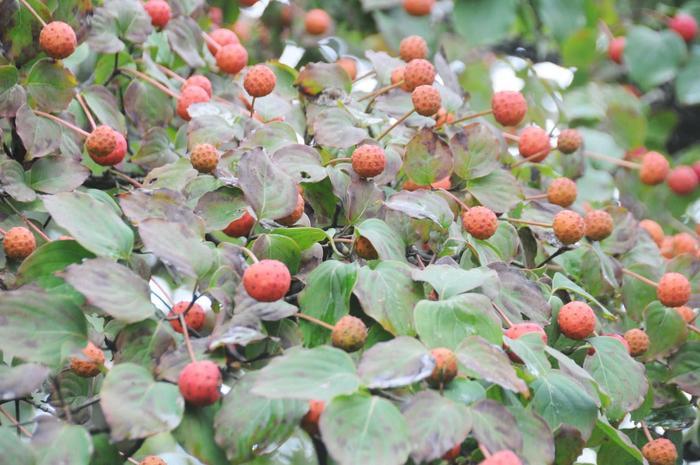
x: 115, y: 156
x: 18, y: 243
x: 153, y: 460
x: 88, y: 363
x: 267, y: 280
x: 57, y: 39
x: 562, y: 192
x: 199, y: 81
x: 654, y: 230
x: 453, y: 453
x: 189, y: 96
x: 684, y: 25
x: 194, y: 318
x: 569, y: 141
x: 204, y: 158
x: 637, y: 340
x: 349, y: 65
x: 660, y: 452
x: 673, y: 290
x: 365, y: 249
x: 534, y: 140
x: 576, y: 320
x: 508, y: 107
x: 259, y: 81
x: 296, y: 215
x: 222, y: 37
x: 232, y: 58
x: 568, y: 226
x: 599, y: 225
x: 413, y: 47
x: 667, y: 247
x: 317, y: 22
x: 426, y: 100
x: 159, y: 11
x: 615, y: 49
x: 504, y: 457
x: 445, y: 367
x: 368, y: 160
x: 418, y: 7
x: 686, y: 313
x: 418, y: 72
x: 349, y: 334
x: 310, y: 421
x: 682, y: 180
x: 684, y: 243
x: 240, y: 227
x: 200, y: 383
x: 397, y: 76
x: 480, y: 222
x: 654, y: 168
x: 247, y: 3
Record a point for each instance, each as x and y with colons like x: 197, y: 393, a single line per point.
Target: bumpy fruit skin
x: 504, y: 457
x: 426, y: 100
x: 517, y: 330
x: 480, y: 222
x: 365, y: 249
x: 222, y: 37
x: 654, y: 230
x: 204, y: 158
x: 101, y: 142
x: 533, y: 141
x: 193, y: 319
x: 317, y: 22
x: 19, y: 243
x: 89, y: 362
x: 562, y: 192
x: 569, y: 141
x: 349, y: 334
x: 637, y: 340
x: 199, y: 383
x: 240, y: 227
x: 569, y: 227
x: 310, y: 421
x: 443, y: 117
x: 368, y: 160
x: 418, y: 7
x: 616, y: 48
x: 57, y: 39
x: 159, y: 11
x: 508, y: 107
x: 232, y: 58
x: 349, y: 65
x: 666, y: 247
x: 599, y: 225
x: 199, y: 81
x: 686, y: 313
x: 295, y: 216
x: 682, y: 180
x: 115, y: 156
x: 259, y: 81
x: 684, y: 25
x: 413, y: 47
x: 445, y: 367
x: 418, y: 72
x: 153, y: 460
x: 660, y: 452
x: 654, y: 168
x: 453, y: 453
x: 684, y: 243
x: 189, y: 96
x: 673, y: 290
x: 267, y: 280
x: 576, y: 320
x: 397, y: 77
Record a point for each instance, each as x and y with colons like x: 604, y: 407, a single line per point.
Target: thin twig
x: 28, y: 223
x: 503, y: 314
x: 151, y: 81
x: 367, y: 74
x: 613, y: 160
x: 247, y: 252
x: 472, y: 116
x: 639, y: 277
x: 165, y: 294
x: 207, y: 38
x: 171, y: 73
x: 252, y: 107
x: 510, y: 136
x: 126, y: 178
x: 65, y: 123
x: 398, y: 121
x: 694, y: 328
x: 82, y: 103
x: 537, y: 197
x: 186, y: 334
x: 532, y: 157
x: 646, y: 432
x: 484, y: 451
x: 381, y: 91
x: 336, y: 161
x: 528, y: 222
x: 455, y: 198
x: 14, y: 422
x: 314, y: 320
x: 33, y: 11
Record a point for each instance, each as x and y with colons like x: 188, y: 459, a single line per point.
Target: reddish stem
x: 63, y: 122
x: 85, y: 108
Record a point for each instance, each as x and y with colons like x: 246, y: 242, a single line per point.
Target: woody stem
x: 528, y: 222
x: 613, y: 160
x: 62, y: 122
x: 472, y: 116
x: 85, y: 108
x: 639, y: 277
x: 398, y: 121
x: 33, y: 11
x: 151, y: 81
x: 315, y: 321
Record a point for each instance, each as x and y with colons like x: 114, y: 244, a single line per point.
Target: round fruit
x: 159, y: 11
x: 480, y: 222
x: 534, y: 142
x: 232, y: 58
x: 654, y: 230
x: 349, y: 65
x: 199, y: 81
x: 115, y: 156
x: 101, y: 142
x: 221, y: 37
x: 508, y: 107
x: 349, y: 334
x: 413, y: 47
x: 562, y: 192
x: 453, y: 453
x: 443, y: 183
x: 517, y: 330
x: 684, y: 25
x: 204, y: 158
x: 599, y: 225
x: 89, y: 362
x: 296, y: 215
x: 568, y: 226
x: 504, y: 457
x: 365, y: 249
x: 189, y: 96
x: 654, y: 168
x: 684, y: 243
x: 240, y: 227
x: 57, y: 39
x: 368, y: 160
x: 259, y: 81
x: 267, y: 280
x: 686, y: 313
x: 418, y: 72
x: 199, y: 383
x: 637, y: 340
x: 310, y: 421
x: 445, y: 367
x: 443, y: 117
x: 569, y: 141
x: 667, y: 247
x: 153, y: 460
x: 682, y: 180
x: 616, y: 47
x: 397, y: 77
x: 317, y: 22
x: 576, y: 320
x: 418, y: 7
x: 426, y: 100
x: 660, y: 452
x: 18, y: 243
x: 194, y: 318
x: 247, y: 3
x: 673, y: 290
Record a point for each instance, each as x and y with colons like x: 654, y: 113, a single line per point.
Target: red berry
x: 199, y: 383
x: 684, y: 243
x: 696, y: 168
x: 682, y: 180
x: 576, y: 320
x: 57, y: 39
x: 684, y: 25
x: 368, y: 160
x: 418, y: 7
x: 686, y: 313
x: 426, y: 100
x: 310, y: 421
x: 216, y: 15
x: 267, y: 280
x: 232, y: 58
x: 509, y: 107
x: 599, y: 225
x: 418, y: 72
x: 654, y: 168
x: 616, y: 47
x: 115, y: 156
x: 101, y: 142
x: 221, y: 37
x: 660, y: 452
x: 247, y: 3
x: 637, y: 340
x: 480, y: 222
x: 194, y: 318
x: 504, y: 457
x: 19, y: 243
x: 453, y: 453
x: 413, y: 47
x: 240, y: 227
x: 296, y: 215
x: 349, y: 65
x: 562, y: 192
x: 88, y: 363
x: 568, y: 226
x: 259, y: 81
x: 159, y: 11
x: 317, y: 22
x: 204, y: 158
x: 349, y: 334
x: 153, y: 460
x: 673, y: 290
x: 654, y: 230
x: 445, y: 367
x: 199, y: 81
x: 517, y: 330
x: 365, y: 249
x: 569, y: 141
x: 189, y: 96
x: 534, y: 142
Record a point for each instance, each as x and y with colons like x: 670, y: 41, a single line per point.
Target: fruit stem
x: 527, y: 159
x: 646, y: 432
x: 171, y: 73
x: 528, y: 222
x: 503, y: 314
x: 398, y: 121
x: 510, y: 136
x: 129, y: 459
x: 337, y: 161
x: 126, y: 178
x: 694, y: 328
x: 63, y: 122
x: 33, y: 11
x: 252, y: 107
x: 151, y: 81
x: 455, y: 198
x: 306, y: 317
x: 536, y: 197
x: 165, y: 294
x: 12, y: 420
x: 3, y: 232
x: 85, y: 108
x: 613, y: 160
x: 248, y: 252
x: 380, y: 91
x: 186, y: 334
x: 606, y: 30
x: 367, y: 74
x: 343, y: 239
x: 472, y: 116
x: 207, y: 38
x: 639, y: 277
x: 29, y: 223
x: 484, y: 451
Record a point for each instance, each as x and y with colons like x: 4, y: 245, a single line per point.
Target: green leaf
x: 484, y: 21
x: 50, y: 85
x: 465, y: 391
x: 379, y: 432
x: 561, y: 282
x: 687, y: 87
x: 12, y: 95
x: 21, y: 380
x: 278, y: 247
x: 50, y: 257
x: 308, y: 374
x: 435, y: 424
x: 685, y: 368
x: 318, y: 77
x: 495, y: 427
x: 96, y: 228
x: 517, y: 295
x: 15, y: 450
x: 135, y: 406
x: 422, y: 204
x: 55, y: 174
x: 14, y: 183
x: 196, y: 435
x: 58, y: 442
x: 147, y: 107
x: 388, y: 294
x: 386, y: 241
x: 185, y: 39
x: 616, y: 444
x: 428, y: 158
x: 304, y: 237
x: 562, y: 18
x: 105, y: 107
x: 116, y: 20
x: 538, y: 444
x: 476, y: 150
x: 336, y: 128
x: 666, y: 330
x: 301, y: 162
x: 395, y: 363
x: 498, y: 190
x: 489, y: 363
x: 653, y: 57
x: 530, y: 349
x: 568, y: 445
x: 220, y: 207
x: 40, y: 136
x: 155, y: 150
x: 40, y: 327
x: 449, y: 281
x: 446, y: 323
